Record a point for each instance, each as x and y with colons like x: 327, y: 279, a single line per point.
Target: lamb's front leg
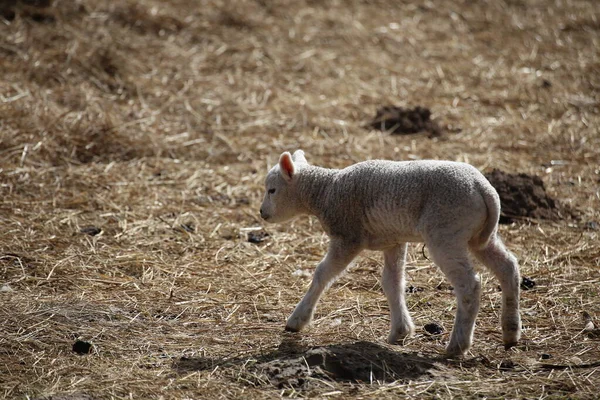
x: 393, y: 283
x: 339, y: 255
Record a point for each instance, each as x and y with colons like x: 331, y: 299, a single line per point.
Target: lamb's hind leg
x: 393, y: 283
x: 338, y: 257
x: 456, y: 265
x: 505, y: 267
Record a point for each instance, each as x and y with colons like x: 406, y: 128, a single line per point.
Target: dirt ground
x: 134, y: 140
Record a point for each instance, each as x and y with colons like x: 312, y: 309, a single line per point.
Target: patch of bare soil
x: 524, y: 196
x: 402, y: 121
x: 293, y: 366
x: 357, y: 362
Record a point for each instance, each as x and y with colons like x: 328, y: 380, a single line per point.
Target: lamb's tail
x: 492, y: 202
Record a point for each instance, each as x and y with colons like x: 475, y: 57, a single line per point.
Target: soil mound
x: 356, y: 362
x: 524, y: 196
x: 402, y: 121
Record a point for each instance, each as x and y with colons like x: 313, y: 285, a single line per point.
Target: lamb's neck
x: 314, y: 184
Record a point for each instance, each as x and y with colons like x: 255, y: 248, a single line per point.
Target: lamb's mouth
x: 264, y: 216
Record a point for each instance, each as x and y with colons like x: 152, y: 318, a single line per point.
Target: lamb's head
x: 281, y: 201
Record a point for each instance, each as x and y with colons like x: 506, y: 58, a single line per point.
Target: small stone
x: 588, y: 321
x: 301, y: 273
x: 90, y: 230
x: 6, y: 288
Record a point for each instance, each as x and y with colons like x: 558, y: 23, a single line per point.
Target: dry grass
x: 155, y: 121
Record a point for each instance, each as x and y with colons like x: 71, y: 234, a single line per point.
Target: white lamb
x: 382, y: 205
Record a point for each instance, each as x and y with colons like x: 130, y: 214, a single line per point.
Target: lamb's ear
x: 298, y: 157
x: 286, y: 166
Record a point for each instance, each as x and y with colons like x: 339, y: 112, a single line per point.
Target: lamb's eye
x: 271, y: 191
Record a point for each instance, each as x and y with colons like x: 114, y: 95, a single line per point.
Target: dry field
x: 134, y: 139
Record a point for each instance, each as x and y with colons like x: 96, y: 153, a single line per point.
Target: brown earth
x: 293, y: 366
x: 524, y: 196
x: 134, y: 140
x: 398, y: 120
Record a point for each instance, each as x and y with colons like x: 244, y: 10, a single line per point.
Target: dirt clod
x: 413, y: 289
x: 81, y: 347
x: 90, y: 230
x: 527, y: 283
x: 524, y: 196
x: 402, y: 121
x: 357, y: 362
x: 434, y: 328
x: 257, y: 236
x: 506, y: 365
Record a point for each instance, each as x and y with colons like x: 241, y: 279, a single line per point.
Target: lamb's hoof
x: 296, y: 324
x: 291, y: 329
x: 511, y: 336
x: 397, y: 337
x: 455, y: 351
x: 508, y: 346
x: 453, y: 354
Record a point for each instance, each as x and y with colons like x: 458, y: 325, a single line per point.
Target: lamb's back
x: 400, y: 199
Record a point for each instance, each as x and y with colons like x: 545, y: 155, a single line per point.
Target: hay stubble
x: 155, y: 122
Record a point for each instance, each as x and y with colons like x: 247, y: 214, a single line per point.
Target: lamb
x: 383, y: 205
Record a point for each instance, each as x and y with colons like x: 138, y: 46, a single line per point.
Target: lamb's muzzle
x: 383, y: 205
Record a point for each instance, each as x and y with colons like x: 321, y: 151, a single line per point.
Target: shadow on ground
x: 295, y: 365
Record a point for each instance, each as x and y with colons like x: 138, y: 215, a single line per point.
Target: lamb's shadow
x: 293, y: 364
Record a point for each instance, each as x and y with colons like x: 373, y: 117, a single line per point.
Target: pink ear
x: 286, y: 166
